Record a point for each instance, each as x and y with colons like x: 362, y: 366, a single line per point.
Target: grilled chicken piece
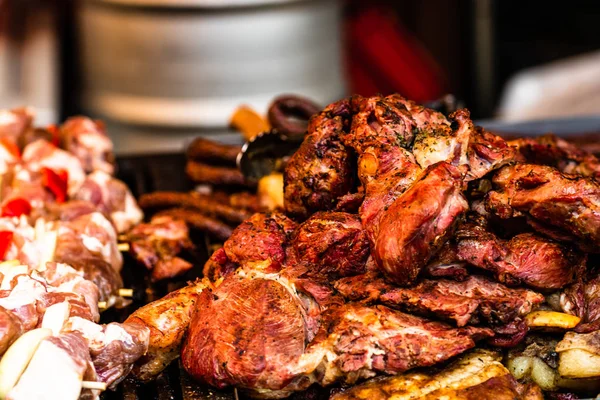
x: 526, y: 258
x: 157, y: 244
x: 427, y: 211
x: 556, y: 152
x: 472, y: 301
x: 87, y: 140
x: 477, y: 375
x: 561, y: 206
x: 331, y: 244
x: 321, y: 170
x: 168, y: 320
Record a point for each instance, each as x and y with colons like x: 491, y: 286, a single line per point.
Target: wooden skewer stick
x: 123, y: 247
x: 93, y: 385
x: 102, y: 305
x: 124, y: 292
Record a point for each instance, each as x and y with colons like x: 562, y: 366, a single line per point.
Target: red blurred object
x: 16, y: 208
x: 53, y: 130
x: 5, y: 241
x: 11, y: 147
x: 56, y: 182
x: 385, y: 58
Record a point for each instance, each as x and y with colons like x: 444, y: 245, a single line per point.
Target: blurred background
x: 161, y: 71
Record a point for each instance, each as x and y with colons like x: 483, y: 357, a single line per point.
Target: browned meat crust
x: 321, y: 170
x: 260, y: 240
x: 333, y: 244
x: 195, y: 219
x: 526, y: 258
x: 204, y: 173
x: 203, y: 203
x: 556, y: 152
x: 209, y: 151
x: 472, y: 301
x: 157, y: 245
x: 168, y: 320
x: 429, y: 211
x: 562, y: 206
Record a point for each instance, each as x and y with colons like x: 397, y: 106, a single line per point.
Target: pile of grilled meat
x: 408, y: 239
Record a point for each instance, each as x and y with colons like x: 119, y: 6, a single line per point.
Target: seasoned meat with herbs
x: 321, y: 170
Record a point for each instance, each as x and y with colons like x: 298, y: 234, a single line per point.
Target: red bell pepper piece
x: 16, y: 208
x: 5, y: 241
x: 57, y: 182
x: 53, y: 130
x: 11, y: 147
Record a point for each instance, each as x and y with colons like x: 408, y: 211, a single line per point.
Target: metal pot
x: 190, y: 63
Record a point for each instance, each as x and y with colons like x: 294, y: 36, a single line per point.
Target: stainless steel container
x: 190, y: 63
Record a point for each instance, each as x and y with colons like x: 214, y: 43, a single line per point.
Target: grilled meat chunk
x: 477, y: 375
x: 260, y: 240
x: 168, y: 320
x: 357, y: 341
x: 333, y: 244
x: 88, y: 141
x: 472, y: 301
x: 385, y: 175
x: 446, y: 264
x: 486, y: 152
x: 157, y: 245
x: 562, y: 206
x: 583, y: 299
x: 321, y: 170
x: 247, y: 333
x: 379, y: 122
x: 111, y: 197
x: 416, y: 225
x: 528, y: 258
x: 553, y: 151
